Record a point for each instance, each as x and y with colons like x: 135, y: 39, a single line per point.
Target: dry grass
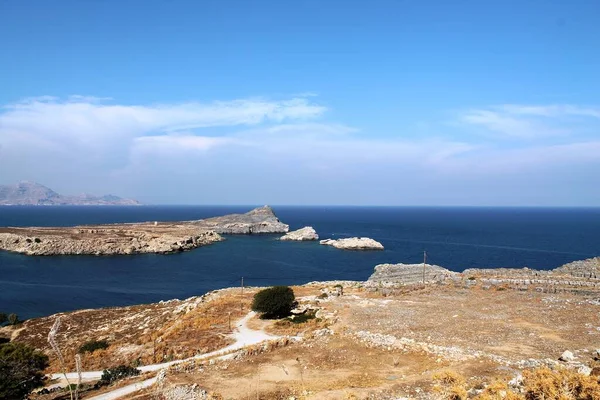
x: 142, y: 334
x: 538, y: 384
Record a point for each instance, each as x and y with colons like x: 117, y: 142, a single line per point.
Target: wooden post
x: 229, y: 317
x: 424, y: 262
x: 242, y: 299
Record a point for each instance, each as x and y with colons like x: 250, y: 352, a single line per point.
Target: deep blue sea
x: 456, y: 238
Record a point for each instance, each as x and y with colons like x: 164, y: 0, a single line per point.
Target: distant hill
x: 31, y: 193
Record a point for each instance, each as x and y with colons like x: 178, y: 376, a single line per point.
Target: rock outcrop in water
x: 136, y: 238
x: 303, y: 234
x: 354, y: 243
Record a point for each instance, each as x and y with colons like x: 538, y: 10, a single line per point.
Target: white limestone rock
x: 354, y: 243
x: 408, y: 274
x: 303, y: 234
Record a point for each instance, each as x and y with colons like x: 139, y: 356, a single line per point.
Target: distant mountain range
x: 31, y: 193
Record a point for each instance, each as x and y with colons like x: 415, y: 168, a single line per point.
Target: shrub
x: 93, y: 345
x: 21, y: 369
x: 111, y: 375
x: 450, y: 385
x: 544, y: 383
x: 3, y: 318
x: 274, y: 302
x: 13, y: 319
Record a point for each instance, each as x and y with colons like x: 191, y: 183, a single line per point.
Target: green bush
x: 93, y: 345
x: 275, y: 302
x: 111, y: 375
x: 21, y: 369
x: 3, y: 318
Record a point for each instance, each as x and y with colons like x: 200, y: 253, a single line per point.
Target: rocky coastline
x: 137, y: 238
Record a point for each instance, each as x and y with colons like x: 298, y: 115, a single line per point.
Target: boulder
x: 303, y: 234
x: 567, y: 356
x: 354, y: 243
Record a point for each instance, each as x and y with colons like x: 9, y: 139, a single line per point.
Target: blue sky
x: 306, y: 102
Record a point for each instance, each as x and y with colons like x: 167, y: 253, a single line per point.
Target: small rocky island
x: 354, y: 243
x: 307, y: 233
x: 137, y: 238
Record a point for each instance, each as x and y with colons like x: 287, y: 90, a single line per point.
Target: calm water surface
x: 456, y: 238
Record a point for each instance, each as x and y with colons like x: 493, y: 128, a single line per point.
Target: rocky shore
x: 137, y: 238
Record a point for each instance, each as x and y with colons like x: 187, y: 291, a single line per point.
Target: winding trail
x: 243, y: 336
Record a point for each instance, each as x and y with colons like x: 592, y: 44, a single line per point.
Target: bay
x: 456, y: 238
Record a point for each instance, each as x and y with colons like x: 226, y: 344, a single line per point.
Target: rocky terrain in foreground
x: 137, y: 238
x: 31, y: 193
x: 578, y: 275
x: 356, y: 340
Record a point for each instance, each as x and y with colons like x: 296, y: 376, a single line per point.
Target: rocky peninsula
x: 137, y: 238
x: 354, y: 243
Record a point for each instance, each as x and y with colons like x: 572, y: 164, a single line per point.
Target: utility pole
x: 242, y: 299
x: 424, y: 262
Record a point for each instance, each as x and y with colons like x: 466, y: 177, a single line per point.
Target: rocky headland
x: 303, y: 234
x: 258, y: 221
x: 137, y: 238
x: 354, y: 243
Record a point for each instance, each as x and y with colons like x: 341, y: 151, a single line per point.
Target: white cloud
x: 531, y: 121
x: 86, y: 119
x: 87, y: 141
x: 178, y: 143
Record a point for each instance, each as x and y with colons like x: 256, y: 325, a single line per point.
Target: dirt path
x: 243, y: 336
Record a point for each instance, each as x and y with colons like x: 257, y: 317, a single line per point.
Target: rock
x: 354, y: 243
x: 302, y: 234
x: 517, y: 381
x: 567, y: 356
x: 584, y: 370
x: 408, y: 274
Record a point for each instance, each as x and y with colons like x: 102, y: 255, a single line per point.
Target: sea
x: 453, y: 237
